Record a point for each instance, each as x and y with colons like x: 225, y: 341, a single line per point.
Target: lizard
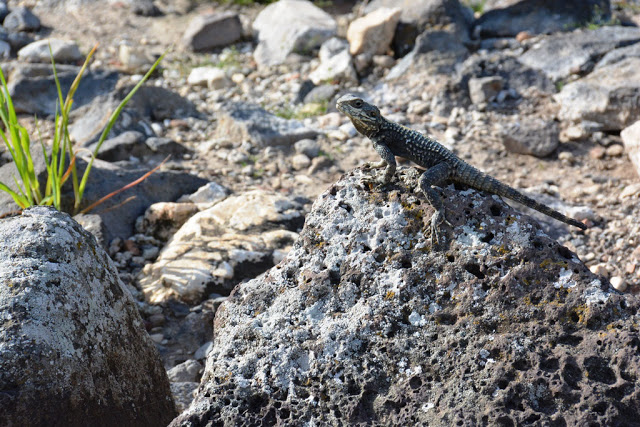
x: 391, y: 139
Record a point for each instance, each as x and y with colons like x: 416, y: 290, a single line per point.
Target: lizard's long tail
x: 481, y: 181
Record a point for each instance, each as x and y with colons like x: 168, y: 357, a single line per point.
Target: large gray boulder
x: 73, y: 348
x: 290, y: 26
x: 364, y: 323
x: 608, y: 96
x: 541, y: 17
x: 561, y: 55
x: 241, y: 121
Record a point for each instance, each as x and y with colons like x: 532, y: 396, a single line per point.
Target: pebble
x: 618, y: 283
x: 300, y: 161
x: 600, y: 269
x: 615, y: 150
x: 157, y: 338
x: 597, y: 152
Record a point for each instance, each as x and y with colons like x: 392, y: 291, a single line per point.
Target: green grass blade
x: 105, y: 133
x: 20, y: 200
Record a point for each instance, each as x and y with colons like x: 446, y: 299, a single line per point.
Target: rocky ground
x: 543, y: 109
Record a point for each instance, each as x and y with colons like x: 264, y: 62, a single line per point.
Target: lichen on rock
x: 364, y: 323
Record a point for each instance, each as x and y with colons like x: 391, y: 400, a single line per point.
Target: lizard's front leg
x: 388, y: 160
x: 435, y: 175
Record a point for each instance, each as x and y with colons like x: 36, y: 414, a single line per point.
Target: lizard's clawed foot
x: 437, y: 219
x: 374, y: 165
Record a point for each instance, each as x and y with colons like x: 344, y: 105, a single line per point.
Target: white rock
x: 372, y: 34
x: 338, y: 67
x: 62, y: 51
x: 211, y: 77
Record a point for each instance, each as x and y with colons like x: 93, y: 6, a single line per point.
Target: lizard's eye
x: 358, y: 103
x: 372, y: 114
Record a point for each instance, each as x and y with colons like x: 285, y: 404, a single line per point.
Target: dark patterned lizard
x: 391, y: 139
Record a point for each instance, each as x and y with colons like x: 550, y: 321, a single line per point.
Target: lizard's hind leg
x: 435, y: 175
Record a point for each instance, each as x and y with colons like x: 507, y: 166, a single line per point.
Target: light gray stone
x: 308, y: 147
x: 188, y: 371
x: 21, y: 19
x: 534, y: 136
x: 209, y: 194
x: 62, y: 51
x: 73, y: 348
x: 290, y: 26
x: 210, y: 31
x: 561, y: 55
x: 485, y: 89
x: 608, y: 96
x: 339, y: 67
x: 631, y: 139
x: 240, y: 121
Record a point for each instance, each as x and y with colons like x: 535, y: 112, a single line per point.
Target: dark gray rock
x: 122, y: 147
x: 21, y: 19
x: 210, y: 31
x: 88, y: 122
x: 4, y: 10
x: 363, y: 323
x: 73, y: 348
x: 609, y: 96
x: 541, y: 17
x: 157, y: 103
x: 561, y: 55
x: 165, y: 146
x: 430, y: 14
x: 94, y: 225
x: 239, y: 121
x: 534, y: 136
x: 150, y: 103
x: 33, y: 89
x: 145, y: 8
x: 118, y: 213
x: 485, y: 89
x: 516, y: 75
x: 435, y: 52
x: 322, y: 93
x: 617, y: 55
x: 19, y: 40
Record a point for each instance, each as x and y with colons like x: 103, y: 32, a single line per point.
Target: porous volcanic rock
x: 363, y: 323
x: 73, y: 348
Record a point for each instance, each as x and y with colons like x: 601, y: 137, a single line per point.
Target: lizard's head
x: 365, y: 117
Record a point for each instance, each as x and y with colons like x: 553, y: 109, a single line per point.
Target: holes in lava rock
x: 571, y: 340
x: 550, y: 365
x: 415, y: 383
x: 406, y: 263
x: 599, y: 371
x: 446, y: 319
x: 572, y: 374
x: 564, y: 252
x: 521, y: 365
x: 558, y: 422
x: 600, y: 408
x: 474, y: 269
x: 451, y: 258
x: 495, y: 210
x: 346, y: 207
x: 487, y: 238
